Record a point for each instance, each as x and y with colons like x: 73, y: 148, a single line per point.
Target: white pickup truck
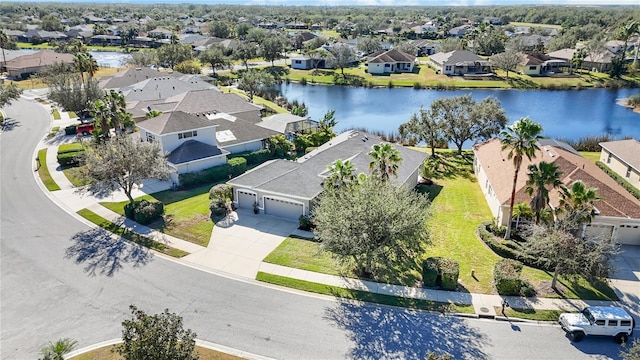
x: 598, y: 320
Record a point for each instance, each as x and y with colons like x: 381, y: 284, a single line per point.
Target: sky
x: 366, y: 2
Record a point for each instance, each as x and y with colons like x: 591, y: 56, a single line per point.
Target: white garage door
x: 628, y: 234
x: 282, y: 208
x: 246, y: 199
x: 599, y: 230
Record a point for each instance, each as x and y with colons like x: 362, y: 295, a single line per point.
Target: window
x: 613, y: 323
x: 447, y: 68
x: 532, y: 67
x: 187, y: 134
x: 625, y: 322
x: 600, y: 322
x: 297, y: 61
x: 628, y: 172
x: 387, y: 65
x: 150, y: 138
x: 609, y: 159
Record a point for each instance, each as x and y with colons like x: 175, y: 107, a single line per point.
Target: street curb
x: 508, y: 319
x: 201, y: 343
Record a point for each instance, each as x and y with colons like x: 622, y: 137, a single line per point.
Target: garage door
x: 599, y: 230
x: 628, y: 235
x: 246, y: 199
x: 282, y: 208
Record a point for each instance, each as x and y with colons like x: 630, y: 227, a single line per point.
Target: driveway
x: 241, y: 241
x: 626, y: 277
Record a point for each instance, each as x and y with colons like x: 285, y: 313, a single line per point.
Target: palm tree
x: 341, y: 173
x: 542, y: 178
x: 521, y: 139
x: 57, y: 350
x: 4, y: 40
x: 385, y: 160
x: 522, y: 210
x: 578, y: 201
x: 626, y: 32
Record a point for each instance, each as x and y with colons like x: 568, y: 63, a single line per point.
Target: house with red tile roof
x: 617, y: 213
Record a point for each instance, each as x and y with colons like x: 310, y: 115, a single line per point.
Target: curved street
x: 62, y: 278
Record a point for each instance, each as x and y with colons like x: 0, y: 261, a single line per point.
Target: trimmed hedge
x: 506, y: 277
x: 70, y: 158
x: 233, y: 167
x: 253, y: 157
x: 71, y: 147
x: 144, y: 212
x: 619, y: 179
x: 506, y: 248
x: 447, y: 269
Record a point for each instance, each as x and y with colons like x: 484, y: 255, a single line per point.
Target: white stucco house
x: 189, y: 142
x: 389, y: 62
x: 617, y: 213
x: 459, y: 62
x: 623, y: 157
x: 288, y: 188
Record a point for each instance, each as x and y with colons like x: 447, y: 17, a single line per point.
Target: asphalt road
x: 60, y: 278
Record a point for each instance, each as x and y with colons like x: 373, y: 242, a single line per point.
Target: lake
x: 103, y: 58
x: 570, y: 114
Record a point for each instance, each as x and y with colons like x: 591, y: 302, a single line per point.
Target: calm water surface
x: 103, y: 58
x: 570, y: 114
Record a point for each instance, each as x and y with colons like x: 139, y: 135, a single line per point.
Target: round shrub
x: 506, y: 276
x: 144, y: 212
x: 430, y: 271
x: 442, y: 272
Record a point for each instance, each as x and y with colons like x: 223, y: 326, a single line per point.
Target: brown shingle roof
x: 393, y: 55
x: 616, y: 201
x: 40, y: 58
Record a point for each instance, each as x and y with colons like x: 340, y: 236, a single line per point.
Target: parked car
x: 598, y: 320
x: 85, y: 129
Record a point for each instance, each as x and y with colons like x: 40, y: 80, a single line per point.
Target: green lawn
x: 56, y: 114
x: 43, y: 172
x: 70, y: 147
x: 363, y: 295
x: 130, y: 235
x: 186, y: 213
x: 591, y: 156
x: 75, y: 175
x: 531, y: 314
x: 306, y: 255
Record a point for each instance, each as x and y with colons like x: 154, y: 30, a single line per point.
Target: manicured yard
x: 43, y: 172
x: 56, y: 114
x: 458, y: 207
x: 363, y: 295
x: 531, y: 314
x: 186, y: 213
x: 75, y: 175
x: 591, y: 156
x: 130, y: 235
x: 106, y: 353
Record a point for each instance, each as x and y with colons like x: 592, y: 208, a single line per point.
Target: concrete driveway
x: 241, y: 241
x: 626, y: 278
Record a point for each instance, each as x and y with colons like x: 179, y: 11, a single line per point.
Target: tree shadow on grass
x: 392, y: 333
x: 450, y: 165
x: 102, y: 254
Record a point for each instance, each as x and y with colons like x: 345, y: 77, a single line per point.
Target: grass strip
x: 56, y: 114
x: 531, y: 314
x: 72, y: 115
x: 363, y: 295
x: 43, y: 171
x: 130, y: 235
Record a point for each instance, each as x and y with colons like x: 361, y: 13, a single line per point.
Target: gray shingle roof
x: 161, y: 88
x: 191, y: 150
x: 393, y: 55
x: 175, y: 121
x: 213, y: 100
x: 303, y: 178
x: 454, y: 57
x: 133, y: 76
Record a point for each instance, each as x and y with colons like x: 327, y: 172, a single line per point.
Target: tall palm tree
x: 579, y: 201
x: 521, y: 139
x: 4, y: 40
x: 341, y: 173
x: 385, y: 160
x: 542, y: 178
x: 626, y: 32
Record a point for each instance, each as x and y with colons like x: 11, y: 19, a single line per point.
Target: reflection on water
x: 570, y: 114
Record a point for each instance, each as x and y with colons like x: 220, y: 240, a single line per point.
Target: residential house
x: 616, y: 46
x: 623, y: 157
x: 617, y: 214
x: 296, y: 25
x: 302, y: 62
x: 106, y: 40
x: 539, y: 64
x: 460, y: 31
x: 82, y: 32
x: 26, y: 65
x: 14, y: 35
x: 7, y: 55
x: 425, y: 47
x: 389, y: 62
x: 188, y: 141
x: 459, y: 62
x: 235, y: 118
x: 600, y: 62
x: 133, y: 76
x: 160, y: 33
x: 38, y: 36
x: 287, y: 188
x: 162, y: 88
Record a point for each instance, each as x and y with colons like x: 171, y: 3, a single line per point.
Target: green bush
x: 233, y: 167
x: 505, y: 248
x: 144, y: 212
x: 619, y: 179
x: 70, y: 130
x: 70, y: 158
x: 253, y: 157
x: 218, y: 207
x: 447, y: 270
x: 506, y: 277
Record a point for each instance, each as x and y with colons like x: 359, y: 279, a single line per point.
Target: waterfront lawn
x: 186, y: 213
x: 591, y: 156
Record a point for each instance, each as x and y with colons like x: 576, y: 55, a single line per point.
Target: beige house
x: 623, y: 157
x: 617, y: 214
x: 26, y: 65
